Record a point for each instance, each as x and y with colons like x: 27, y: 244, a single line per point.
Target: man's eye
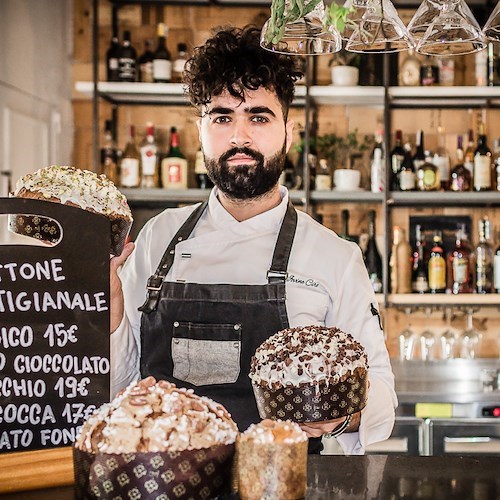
x: 221, y: 119
x: 259, y: 119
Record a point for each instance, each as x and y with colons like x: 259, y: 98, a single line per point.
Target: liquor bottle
x: 312, y: 158
x: 200, y: 172
x: 377, y: 178
x: 482, y: 162
x: 406, y: 177
x: 446, y: 67
x: 112, y: 55
x: 441, y: 159
x: 400, y: 262
x: 481, y: 67
x: 179, y: 62
x: 428, y: 178
x: 419, y: 156
x: 493, y: 72
x: 149, y: 159
x: 127, y: 60
x: 130, y: 167
x: 484, y: 258
x: 145, y: 63
x: 460, y: 176
x: 437, y: 266
x: 496, y: 267
x: 378, y: 143
x: 162, y: 62
x: 409, y: 73
x: 323, y: 180
x: 345, y: 227
x: 469, y: 154
x: 397, y: 157
x: 459, y: 272
x: 419, y: 281
x: 174, y: 166
x: 429, y: 72
x: 373, y: 260
x: 495, y: 166
x: 109, y: 154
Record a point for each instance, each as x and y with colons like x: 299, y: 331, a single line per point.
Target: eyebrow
x: 220, y: 110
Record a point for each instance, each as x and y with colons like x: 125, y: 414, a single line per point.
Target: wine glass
x: 454, y: 31
x: 380, y: 30
x: 407, y: 339
x: 427, y: 339
x: 491, y: 29
x: 470, y: 338
x: 448, y: 337
x: 286, y: 33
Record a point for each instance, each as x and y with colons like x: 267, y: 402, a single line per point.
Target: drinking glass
x: 380, y: 30
x: 286, y: 33
x: 454, y: 31
x: 491, y: 29
x: 427, y: 340
x: 470, y: 338
x: 407, y: 339
x: 448, y: 337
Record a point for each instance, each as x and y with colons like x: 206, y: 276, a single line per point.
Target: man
x: 225, y: 276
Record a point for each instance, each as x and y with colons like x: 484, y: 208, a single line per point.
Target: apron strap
x: 278, y: 271
x: 156, y: 280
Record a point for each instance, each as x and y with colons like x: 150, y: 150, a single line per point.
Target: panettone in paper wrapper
x: 75, y: 187
x: 309, y: 374
x: 155, y: 440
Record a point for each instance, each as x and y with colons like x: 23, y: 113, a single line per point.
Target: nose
x: 240, y: 136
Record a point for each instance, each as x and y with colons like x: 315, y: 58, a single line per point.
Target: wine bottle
x: 437, y: 266
x: 419, y: 156
x: 482, y: 162
x: 496, y: 268
x: 377, y: 170
x: 162, y: 61
x: 469, y: 154
x: 130, y: 168
x: 373, y: 260
x: 429, y: 72
x: 484, y: 258
x: 460, y: 277
x: 145, y: 63
x: 420, y: 281
x: 112, y: 55
x: 397, y: 157
x: 149, y: 158
x: 406, y: 176
x: 179, y: 62
x: 174, y: 167
x: 493, y: 72
x: 460, y: 176
x: 441, y: 160
x: 109, y: 154
x: 409, y: 73
x: 345, y: 227
x: 127, y: 60
x: 200, y: 172
x: 495, y: 166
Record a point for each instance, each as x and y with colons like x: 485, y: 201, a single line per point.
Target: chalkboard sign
x: 54, y: 328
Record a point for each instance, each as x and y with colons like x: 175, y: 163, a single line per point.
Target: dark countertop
x: 376, y: 477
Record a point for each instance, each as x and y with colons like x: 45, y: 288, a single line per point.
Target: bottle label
x: 174, y: 173
x: 437, y: 273
x: 482, y: 174
x: 429, y: 178
x: 113, y: 63
x: 460, y: 270
x: 199, y: 165
x: 443, y: 165
x: 148, y: 157
x: 377, y: 177
x: 129, y: 172
x: 147, y: 72
x: 496, y: 272
x: 483, y: 274
x: 127, y: 69
x: 406, y: 180
x: 162, y: 69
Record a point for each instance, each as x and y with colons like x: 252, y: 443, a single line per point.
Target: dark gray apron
x: 203, y: 336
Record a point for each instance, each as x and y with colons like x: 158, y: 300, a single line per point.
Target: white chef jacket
x: 327, y: 284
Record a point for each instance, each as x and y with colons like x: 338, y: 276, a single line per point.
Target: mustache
x: 245, y: 151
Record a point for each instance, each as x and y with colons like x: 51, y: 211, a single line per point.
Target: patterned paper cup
x: 313, y: 403
x: 192, y: 474
x: 48, y: 230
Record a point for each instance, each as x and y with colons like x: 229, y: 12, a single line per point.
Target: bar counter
x: 385, y: 477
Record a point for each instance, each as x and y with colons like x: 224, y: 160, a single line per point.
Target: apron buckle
x: 280, y: 275
x: 154, y: 283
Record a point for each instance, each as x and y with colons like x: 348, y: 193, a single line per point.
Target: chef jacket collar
x: 270, y: 220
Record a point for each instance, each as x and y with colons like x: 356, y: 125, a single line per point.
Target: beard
x: 244, y: 182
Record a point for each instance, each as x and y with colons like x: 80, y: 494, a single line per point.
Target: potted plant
x: 345, y: 68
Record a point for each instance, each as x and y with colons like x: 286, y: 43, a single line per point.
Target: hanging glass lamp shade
x: 491, y: 29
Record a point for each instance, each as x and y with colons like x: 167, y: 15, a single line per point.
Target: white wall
x: 36, y: 123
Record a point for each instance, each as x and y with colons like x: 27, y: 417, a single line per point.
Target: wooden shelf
x: 443, y: 198
x: 444, y: 299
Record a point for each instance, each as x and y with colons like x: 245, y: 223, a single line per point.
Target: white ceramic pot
x: 345, y: 76
x: 346, y: 179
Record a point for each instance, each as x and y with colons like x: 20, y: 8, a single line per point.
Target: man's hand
x: 318, y: 429
x: 115, y: 287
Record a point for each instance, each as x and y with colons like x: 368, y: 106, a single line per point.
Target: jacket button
x: 176, y: 324
x: 237, y: 326
x: 176, y: 341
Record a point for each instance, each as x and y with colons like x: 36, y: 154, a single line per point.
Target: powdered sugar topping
x: 274, y: 431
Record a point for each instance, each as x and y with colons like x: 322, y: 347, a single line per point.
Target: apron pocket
x: 206, y: 354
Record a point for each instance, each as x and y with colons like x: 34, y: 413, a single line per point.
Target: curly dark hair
x: 233, y: 60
